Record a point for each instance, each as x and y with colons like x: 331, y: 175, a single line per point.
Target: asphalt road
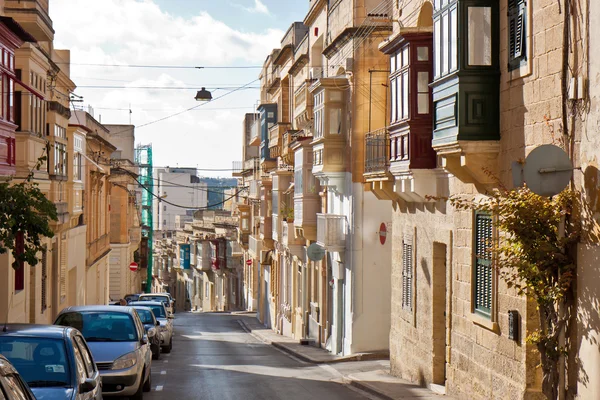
x: 214, y: 358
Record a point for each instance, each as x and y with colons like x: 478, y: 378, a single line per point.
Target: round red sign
x: 249, y: 262
x: 382, y: 233
x: 133, y: 266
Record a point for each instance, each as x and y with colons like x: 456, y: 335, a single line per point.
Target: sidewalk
x: 373, y: 380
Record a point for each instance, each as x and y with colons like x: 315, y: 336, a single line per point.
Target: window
x: 407, y: 274
x: 60, y: 132
x: 480, y: 35
x: 399, y: 85
x: 85, y: 353
x: 517, y: 33
x: 20, y: 278
x: 82, y: 374
x: 446, y: 37
x: 60, y: 159
x: 77, y: 167
x: 319, y: 110
x: 482, y: 285
x: 206, y: 290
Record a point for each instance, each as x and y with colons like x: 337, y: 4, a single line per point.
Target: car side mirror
x: 157, y: 323
x: 87, y: 386
x: 144, y: 339
x: 151, y: 332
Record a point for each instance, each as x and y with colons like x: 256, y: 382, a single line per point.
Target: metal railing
x: 377, y: 151
x: 331, y: 231
x: 236, y: 166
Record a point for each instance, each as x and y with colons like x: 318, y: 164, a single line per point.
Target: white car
x: 166, y: 322
x: 164, y: 298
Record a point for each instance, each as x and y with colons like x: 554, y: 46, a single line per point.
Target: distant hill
x: 216, y: 187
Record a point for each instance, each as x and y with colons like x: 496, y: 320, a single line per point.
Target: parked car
x: 131, y: 297
x: 162, y: 297
x: 118, y: 341
x: 165, y: 319
x: 56, y: 362
x: 151, y: 325
x: 12, y: 386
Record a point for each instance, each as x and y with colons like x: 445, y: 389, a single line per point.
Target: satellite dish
x: 315, y: 252
x: 547, y: 170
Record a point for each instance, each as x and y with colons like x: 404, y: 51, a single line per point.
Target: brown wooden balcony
x: 275, y: 138
x: 303, y: 101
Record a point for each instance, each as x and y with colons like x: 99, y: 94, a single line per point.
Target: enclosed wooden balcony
x: 254, y: 246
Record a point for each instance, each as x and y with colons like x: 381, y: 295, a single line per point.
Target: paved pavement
x: 214, y: 358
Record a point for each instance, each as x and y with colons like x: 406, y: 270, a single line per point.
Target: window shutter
x: 63, y: 268
x: 407, y: 274
x: 44, y: 279
x: 483, y: 263
x: 517, y: 33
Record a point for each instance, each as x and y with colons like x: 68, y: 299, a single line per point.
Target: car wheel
x: 148, y: 384
x: 171, y: 344
x: 156, y: 354
x: 167, y: 349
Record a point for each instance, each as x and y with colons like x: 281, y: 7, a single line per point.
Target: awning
x: 93, y: 162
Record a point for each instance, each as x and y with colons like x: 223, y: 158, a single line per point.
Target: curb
x: 368, y: 388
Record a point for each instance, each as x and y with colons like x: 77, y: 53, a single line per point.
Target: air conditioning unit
x: 315, y: 73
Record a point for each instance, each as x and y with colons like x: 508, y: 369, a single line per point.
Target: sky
x: 185, y: 33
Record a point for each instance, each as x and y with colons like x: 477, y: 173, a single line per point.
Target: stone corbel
x: 472, y: 162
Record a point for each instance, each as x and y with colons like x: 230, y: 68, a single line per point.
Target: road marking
x: 163, y: 372
x: 159, y: 388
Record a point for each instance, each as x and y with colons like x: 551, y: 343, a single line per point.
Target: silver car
x: 165, y: 298
x: 118, y: 342
x: 165, y: 318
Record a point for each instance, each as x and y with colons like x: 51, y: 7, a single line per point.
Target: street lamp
x: 203, y: 95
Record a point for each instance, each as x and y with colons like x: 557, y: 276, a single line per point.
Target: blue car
x: 55, y: 361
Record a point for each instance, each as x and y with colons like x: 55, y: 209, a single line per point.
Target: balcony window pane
x: 437, y: 47
x: 335, y: 121
x: 405, y: 95
x: 394, y: 100
x: 480, y: 35
x: 405, y: 59
x: 275, y: 202
x: 445, y: 42
x: 423, y: 92
x: 422, y: 53
x: 392, y: 64
x: 453, y: 39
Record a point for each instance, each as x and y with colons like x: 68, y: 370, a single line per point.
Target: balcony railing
x: 237, y: 167
x: 377, y: 151
x: 254, y: 245
x: 331, y: 231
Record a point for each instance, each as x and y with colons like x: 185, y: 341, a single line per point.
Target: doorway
x: 440, y: 317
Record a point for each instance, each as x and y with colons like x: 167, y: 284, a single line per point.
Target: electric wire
x: 161, y: 66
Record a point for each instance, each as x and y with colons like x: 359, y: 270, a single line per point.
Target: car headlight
x: 126, y: 361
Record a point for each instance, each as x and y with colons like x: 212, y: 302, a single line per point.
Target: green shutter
x: 483, y: 264
x: 407, y: 274
x: 517, y: 33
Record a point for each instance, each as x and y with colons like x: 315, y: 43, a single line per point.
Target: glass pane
x: 394, y: 101
x: 405, y: 60
x: 405, y: 95
x: 453, y: 40
x: 437, y: 49
x: 423, y: 81
x: 423, y: 103
x: 445, y: 42
x: 480, y: 35
x: 392, y: 64
x: 335, y: 121
x: 422, y: 53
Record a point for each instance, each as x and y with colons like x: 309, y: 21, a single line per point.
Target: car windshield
x: 158, y: 310
x: 101, y: 326
x: 42, y: 362
x: 145, y: 315
x: 162, y: 299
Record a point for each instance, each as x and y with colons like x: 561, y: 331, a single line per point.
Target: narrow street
x: 214, y: 358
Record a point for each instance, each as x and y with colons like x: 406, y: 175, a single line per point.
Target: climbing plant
x: 535, y: 255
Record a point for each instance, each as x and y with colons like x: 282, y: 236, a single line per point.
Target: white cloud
x: 259, y: 8
x: 139, y: 32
